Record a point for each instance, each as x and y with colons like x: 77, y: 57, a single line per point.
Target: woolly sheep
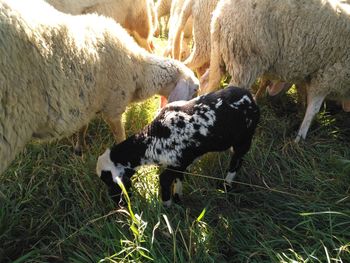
x: 302, y: 42
x: 176, y: 7
x: 182, y: 132
x: 201, y: 11
x: 57, y: 71
x: 163, y: 10
x: 137, y: 16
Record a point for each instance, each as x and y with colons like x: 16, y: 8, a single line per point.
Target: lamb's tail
x: 186, y: 12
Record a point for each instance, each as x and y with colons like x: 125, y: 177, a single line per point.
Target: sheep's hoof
x: 78, y: 151
x: 297, y: 139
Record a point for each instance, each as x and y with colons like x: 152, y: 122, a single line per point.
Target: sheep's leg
x: 81, y: 143
x: 313, y: 107
x: 236, y: 161
x: 202, y: 69
x: 263, y: 83
x: 301, y: 92
x: 346, y: 105
x: 166, y: 180
x: 117, y: 128
x: 203, y: 82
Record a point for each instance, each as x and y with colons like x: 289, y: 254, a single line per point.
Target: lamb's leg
x: 117, y: 128
x: 314, y: 103
x: 81, y: 143
x: 236, y: 161
x: 166, y: 179
x: 177, y: 187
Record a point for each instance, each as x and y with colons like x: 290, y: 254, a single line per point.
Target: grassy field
x: 290, y: 203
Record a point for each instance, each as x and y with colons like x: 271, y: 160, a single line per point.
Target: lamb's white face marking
x: 104, y: 163
x: 120, y: 171
x: 230, y: 177
x: 183, y: 127
x: 177, y: 187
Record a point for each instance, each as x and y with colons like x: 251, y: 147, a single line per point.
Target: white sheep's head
x: 111, y: 173
x: 186, y: 87
x: 184, y: 90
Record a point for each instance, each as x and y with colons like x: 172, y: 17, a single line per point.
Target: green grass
x: 291, y: 203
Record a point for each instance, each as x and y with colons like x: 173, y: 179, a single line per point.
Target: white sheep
x: 301, y: 42
x: 57, y: 71
x: 176, y: 7
x: 163, y: 10
x: 201, y: 11
x: 137, y: 16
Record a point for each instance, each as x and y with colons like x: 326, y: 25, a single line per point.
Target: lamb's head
x: 110, y: 173
x: 186, y: 86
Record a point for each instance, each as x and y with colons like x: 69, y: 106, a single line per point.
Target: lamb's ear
x: 180, y: 92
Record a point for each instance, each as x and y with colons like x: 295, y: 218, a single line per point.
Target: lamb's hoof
x: 177, y: 199
x: 226, y: 187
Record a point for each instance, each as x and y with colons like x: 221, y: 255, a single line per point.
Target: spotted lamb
x: 182, y: 132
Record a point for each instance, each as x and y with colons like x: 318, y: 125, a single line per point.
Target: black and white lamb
x: 180, y: 133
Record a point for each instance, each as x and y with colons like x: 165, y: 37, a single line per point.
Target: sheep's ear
x: 180, y: 92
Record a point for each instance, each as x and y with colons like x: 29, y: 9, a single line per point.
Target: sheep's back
x: 288, y: 39
x: 65, y: 62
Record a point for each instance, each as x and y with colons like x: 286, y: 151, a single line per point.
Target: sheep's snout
x: 184, y: 90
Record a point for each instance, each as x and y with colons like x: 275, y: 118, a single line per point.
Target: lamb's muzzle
x: 182, y: 132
